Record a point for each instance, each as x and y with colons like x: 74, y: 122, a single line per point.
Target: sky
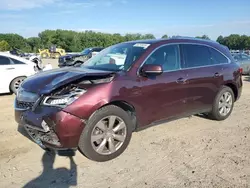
x: 159, y: 17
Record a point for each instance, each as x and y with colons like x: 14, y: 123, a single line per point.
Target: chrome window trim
x: 178, y: 44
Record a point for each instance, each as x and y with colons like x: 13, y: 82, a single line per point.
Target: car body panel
x: 48, y: 81
x: 12, y: 71
x: 153, y: 98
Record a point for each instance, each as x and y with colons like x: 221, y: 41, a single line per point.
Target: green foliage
x: 35, y: 43
x: 4, y: 46
x: 164, y: 36
x: 203, y: 37
x: 15, y: 41
x: 73, y: 41
x: 235, y: 41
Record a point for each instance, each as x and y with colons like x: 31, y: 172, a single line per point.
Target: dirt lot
x: 191, y: 152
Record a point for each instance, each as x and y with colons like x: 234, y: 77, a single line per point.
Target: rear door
x: 204, y: 76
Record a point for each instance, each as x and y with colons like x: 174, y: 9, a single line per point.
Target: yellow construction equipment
x: 53, y: 52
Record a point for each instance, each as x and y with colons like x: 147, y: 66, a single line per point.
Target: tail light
x: 241, y: 70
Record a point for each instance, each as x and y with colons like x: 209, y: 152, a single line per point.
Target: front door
x: 165, y: 94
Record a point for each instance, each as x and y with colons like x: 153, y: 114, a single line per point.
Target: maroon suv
x: 125, y: 88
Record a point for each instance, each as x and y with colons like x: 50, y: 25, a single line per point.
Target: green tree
x: 233, y: 41
x: 4, y: 46
x: 35, y: 43
x: 203, y: 37
x: 165, y: 36
x: 14, y: 40
x: 220, y: 39
x: 148, y: 36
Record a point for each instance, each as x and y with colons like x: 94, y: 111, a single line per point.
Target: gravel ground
x: 190, y: 152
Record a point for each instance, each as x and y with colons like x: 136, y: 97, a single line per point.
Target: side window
x: 217, y: 57
x: 196, y: 55
x: 167, y: 56
x: 16, y: 62
x: 4, y: 60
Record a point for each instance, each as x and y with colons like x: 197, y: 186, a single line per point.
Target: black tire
x: 215, y: 114
x: 13, y: 84
x: 85, y: 145
x: 44, y: 55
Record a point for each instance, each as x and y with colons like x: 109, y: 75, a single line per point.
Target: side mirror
x: 151, y: 70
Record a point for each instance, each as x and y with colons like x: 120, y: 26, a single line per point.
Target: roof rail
x: 192, y: 38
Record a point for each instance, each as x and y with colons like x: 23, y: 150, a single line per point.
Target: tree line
x: 73, y: 41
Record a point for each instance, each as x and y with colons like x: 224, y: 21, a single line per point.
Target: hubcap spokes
x: 17, y: 83
x: 225, y: 103
x: 108, y: 135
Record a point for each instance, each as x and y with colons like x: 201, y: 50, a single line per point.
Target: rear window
x: 217, y: 57
x: 195, y: 55
x: 4, y: 60
x: 16, y: 62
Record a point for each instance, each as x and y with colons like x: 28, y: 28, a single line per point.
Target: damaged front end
x: 43, y: 114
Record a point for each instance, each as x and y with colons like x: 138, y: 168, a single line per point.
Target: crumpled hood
x: 47, y: 81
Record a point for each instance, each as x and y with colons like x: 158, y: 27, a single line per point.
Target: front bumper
x: 50, y: 127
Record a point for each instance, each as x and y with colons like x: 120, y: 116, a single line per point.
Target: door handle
x: 181, y: 80
x: 217, y: 74
x: 11, y: 68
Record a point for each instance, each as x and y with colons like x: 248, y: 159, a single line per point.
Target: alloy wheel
x: 225, y: 103
x: 108, y: 135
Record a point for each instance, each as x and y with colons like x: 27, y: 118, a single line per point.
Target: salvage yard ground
x: 190, y: 152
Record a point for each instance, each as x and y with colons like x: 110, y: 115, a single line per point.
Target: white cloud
x: 30, y: 4
x: 12, y: 16
x: 24, y: 4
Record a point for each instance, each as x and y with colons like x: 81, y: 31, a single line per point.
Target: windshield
x: 86, y: 51
x: 118, y: 57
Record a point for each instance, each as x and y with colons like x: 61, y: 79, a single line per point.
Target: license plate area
x: 34, y: 136
x: 39, y: 136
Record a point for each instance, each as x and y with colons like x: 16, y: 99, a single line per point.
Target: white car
x: 13, y: 70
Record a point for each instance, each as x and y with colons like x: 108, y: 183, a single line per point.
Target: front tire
x: 223, y: 104
x: 107, y: 134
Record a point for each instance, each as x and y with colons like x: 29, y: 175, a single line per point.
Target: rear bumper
x: 51, y: 127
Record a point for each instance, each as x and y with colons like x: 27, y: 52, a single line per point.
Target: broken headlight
x: 63, y: 100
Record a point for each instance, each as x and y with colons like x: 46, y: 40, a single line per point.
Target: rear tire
x: 99, y: 126
x: 45, y: 55
x: 57, y: 55
x: 223, y: 104
x: 15, y: 84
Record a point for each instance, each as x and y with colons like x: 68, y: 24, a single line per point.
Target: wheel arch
x: 14, y: 79
x: 234, y: 89
x: 129, y: 108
